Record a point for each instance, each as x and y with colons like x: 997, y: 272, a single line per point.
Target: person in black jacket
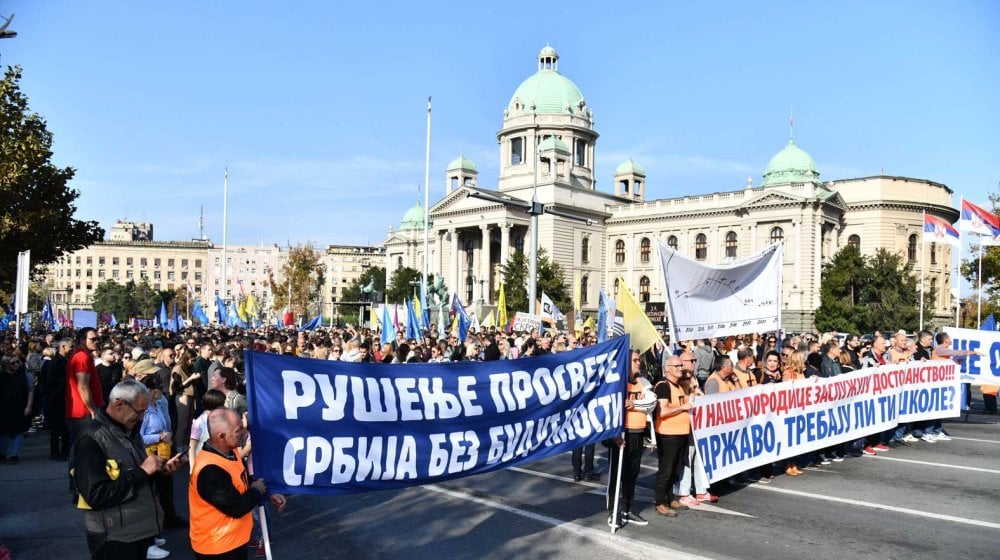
x: 53, y: 377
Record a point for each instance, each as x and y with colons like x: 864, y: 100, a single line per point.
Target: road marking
x: 928, y: 463
x: 895, y: 509
x: 646, y: 496
x: 974, y: 439
x: 627, y: 547
x: 557, y: 477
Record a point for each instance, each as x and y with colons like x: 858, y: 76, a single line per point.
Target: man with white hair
x: 114, y: 477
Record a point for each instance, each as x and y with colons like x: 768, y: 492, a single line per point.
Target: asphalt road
x: 925, y: 500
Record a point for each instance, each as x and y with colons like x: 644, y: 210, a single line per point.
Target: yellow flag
x: 590, y: 323
x: 252, y: 306
x: 502, y: 309
x: 453, y: 329
x: 637, y: 325
x: 241, y: 310
x: 416, y: 309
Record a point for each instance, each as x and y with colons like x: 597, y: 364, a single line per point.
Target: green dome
x: 791, y: 165
x: 462, y: 163
x: 414, y: 218
x: 547, y: 90
x: 630, y: 168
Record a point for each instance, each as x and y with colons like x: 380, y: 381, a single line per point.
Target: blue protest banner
x: 331, y: 427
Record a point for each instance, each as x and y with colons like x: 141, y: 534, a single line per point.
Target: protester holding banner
x: 693, y: 470
x: 627, y: 470
x: 221, y: 495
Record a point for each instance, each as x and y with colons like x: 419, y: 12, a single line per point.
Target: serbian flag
x: 975, y: 219
x: 937, y: 230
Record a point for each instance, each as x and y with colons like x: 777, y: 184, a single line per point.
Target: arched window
x: 644, y: 289
x: 731, y: 245
x: 934, y: 293
x: 854, y: 241
x: 777, y: 235
x: 584, y: 281
x: 644, y: 250
x: 933, y: 253
x: 672, y: 242
x: 399, y: 263
x: 585, y: 249
x: 911, y: 248
x: 619, y: 252
x: 616, y: 287
x: 701, y: 247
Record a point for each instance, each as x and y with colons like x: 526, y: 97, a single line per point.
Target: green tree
x: 304, y: 273
x: 401, y: 288
x: 353, y: 292
x: 861, y: 294
x: 551, y: 280
x: 36, y: 203
x: 130, y: 299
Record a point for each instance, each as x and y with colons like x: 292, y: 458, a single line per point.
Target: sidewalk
x: 37, y: 521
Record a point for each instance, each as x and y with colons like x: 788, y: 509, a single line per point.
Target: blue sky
x: 318, y: 108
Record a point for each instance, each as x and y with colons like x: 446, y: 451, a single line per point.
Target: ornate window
x: 644, y: 250
x: 585, y: 249
x: 701, y: 247
x: 619, y: 252
x: 854, y: 241
x: 644, y: 289
x: 777, y: 235
x: 911, y: 248
x: 731, y: 245
x: 672, y: 242
x: 584, y: 281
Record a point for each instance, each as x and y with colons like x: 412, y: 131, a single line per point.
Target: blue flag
x: 388, y: 328
x: 199, y: 314
x: 163, y: 317
x: 319, y: 427
x: 312, y: 324
x: 412, y: 322
x: 48, y: 319
x: 457, y: 307
x: 220, y: 309
x: 175, y: 325
x: 113, y: 322
x: 990, y: 324
x: 278, y: 322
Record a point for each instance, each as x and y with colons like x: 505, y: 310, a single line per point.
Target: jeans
x: 670, y: 451
x: 583, y: 461
x: 694, y: 466
x: 15, y: 444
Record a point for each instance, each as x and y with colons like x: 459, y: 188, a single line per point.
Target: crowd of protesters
x: 188, y: 375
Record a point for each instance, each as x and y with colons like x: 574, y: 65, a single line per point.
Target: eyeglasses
x: 141, y: 413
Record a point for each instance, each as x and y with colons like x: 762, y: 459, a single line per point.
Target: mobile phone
x: 181, y: 451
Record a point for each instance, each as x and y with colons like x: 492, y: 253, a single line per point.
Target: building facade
x: 547, y: 148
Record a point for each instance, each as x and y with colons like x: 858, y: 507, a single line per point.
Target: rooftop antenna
x: 201, y: 223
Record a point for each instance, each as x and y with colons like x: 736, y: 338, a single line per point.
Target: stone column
x: 485, y: 268
x: 453, y: 283
x: 505, y: 242
x: 440, y: 253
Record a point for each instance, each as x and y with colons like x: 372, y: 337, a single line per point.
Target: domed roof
x: 547, y: 91
x: 791, y: 165
x: 414, y: 218
x: 630, y: 167
x: 462, y: 163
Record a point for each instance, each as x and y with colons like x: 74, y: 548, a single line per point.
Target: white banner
x: 978, y: 370
x: 23, y: 281
x: 524, y: 322
x: 708, y: 301
x: 743, y: 429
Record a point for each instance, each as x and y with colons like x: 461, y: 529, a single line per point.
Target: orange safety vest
x: 724, y: 385
x: 635, y: 419
x: 213, y: 532
x: 679, y: 424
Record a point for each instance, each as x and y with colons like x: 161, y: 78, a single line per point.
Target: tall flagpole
x: 979, y: 294
x: 427, y: 213
x: 923, y: 269
x: 225, y: 231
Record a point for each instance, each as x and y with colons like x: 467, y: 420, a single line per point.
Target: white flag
x: 709, y: 301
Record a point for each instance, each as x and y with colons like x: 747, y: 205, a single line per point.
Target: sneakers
x: 663, y: 510
x: 823, y: 461
x: 622, y: 521
x: 869, y: 450
x: 635, y: 519
x: 765, y: 480
x: 881, y: 447
x: 159, y: 541
x: 707, y: 497
x: 929, y: 438
x: 155, y: 553
x: 908, y: 438
x: 689, y: 501
x: 837, y: 458
x: 942, y: 437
